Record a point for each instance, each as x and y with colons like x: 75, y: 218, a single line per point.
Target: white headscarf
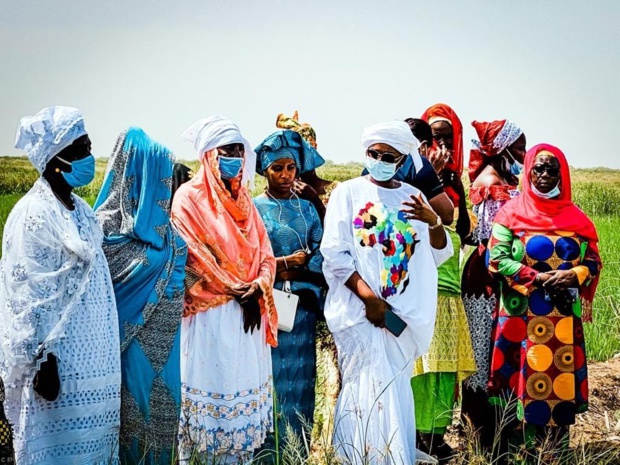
x: 216, y: 131
x: 46, y: 134
x: 396, y: 134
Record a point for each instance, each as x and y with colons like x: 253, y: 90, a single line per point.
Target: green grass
x: 596, y: 191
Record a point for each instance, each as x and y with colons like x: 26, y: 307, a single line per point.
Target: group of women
x: 156, y: 314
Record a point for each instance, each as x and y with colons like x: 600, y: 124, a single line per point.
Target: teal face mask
x: 82, y: 171
x: 230, y: 166
x: 380, y: 170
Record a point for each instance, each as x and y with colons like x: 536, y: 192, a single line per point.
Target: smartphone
x: 393, y: 323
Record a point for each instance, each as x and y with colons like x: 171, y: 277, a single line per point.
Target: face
x: 281, y: 174
x: 231, y: 150
x: 442, y: 134
x: 81, y: 148
x: 385, y: 153
x: 545, y: 173
x: 517, y: 149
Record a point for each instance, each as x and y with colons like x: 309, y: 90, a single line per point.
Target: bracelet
x: 285, y: 264
x: 437, y: 224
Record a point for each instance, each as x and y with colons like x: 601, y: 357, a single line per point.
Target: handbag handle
x: 286, y: 287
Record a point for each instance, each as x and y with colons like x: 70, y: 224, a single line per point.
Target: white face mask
x: 380, y: 170
x: 552, y: 194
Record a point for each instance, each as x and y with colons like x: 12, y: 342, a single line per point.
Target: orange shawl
x: 227, y: 243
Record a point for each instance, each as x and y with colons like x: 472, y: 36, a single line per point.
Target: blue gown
x: 293, y: 225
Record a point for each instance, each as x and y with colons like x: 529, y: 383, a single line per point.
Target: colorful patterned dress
x: 539, y: 351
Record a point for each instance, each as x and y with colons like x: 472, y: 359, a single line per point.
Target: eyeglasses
x: 387, y: 157
x: 551, y: 170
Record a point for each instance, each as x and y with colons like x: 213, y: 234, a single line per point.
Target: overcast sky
x: 553, y: 67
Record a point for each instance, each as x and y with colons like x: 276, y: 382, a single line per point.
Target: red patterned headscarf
x: 529, y: 212
x: 493, y: 139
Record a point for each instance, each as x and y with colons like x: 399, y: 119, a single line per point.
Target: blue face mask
x: 82, y: 171
x: 380, y: 170
x: 230, y: 166
x: 515, y: 166
x: 552, y: 194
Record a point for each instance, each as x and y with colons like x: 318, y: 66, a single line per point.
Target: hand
x: 439, y: 156
x: 252, y: 291
x: 251, y: 314
x: 541, y: 279
x: 375, y: 311
x: 560, y: 280
x: 288, y: 275
x: 450, y: 179
x: 299, y: 258
x: 46, y: 381
x: 420, y: 210
x: 304, y: 190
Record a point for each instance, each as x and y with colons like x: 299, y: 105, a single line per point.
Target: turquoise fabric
x: 283, y: 144
x: 147, y: 264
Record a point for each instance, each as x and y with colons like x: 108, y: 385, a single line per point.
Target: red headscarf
x: 441, y: 110
x: 529, y: 212
x: 485, y: 149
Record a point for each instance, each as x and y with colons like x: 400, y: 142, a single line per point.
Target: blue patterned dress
x: 293, y: 225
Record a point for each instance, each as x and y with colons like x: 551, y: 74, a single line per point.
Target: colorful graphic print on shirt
x: 375, y: 224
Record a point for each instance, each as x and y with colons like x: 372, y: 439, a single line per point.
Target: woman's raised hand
x: 439, y: 156
x: 419, y: 210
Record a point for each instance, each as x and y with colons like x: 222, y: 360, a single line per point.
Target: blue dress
x: 293, y: 225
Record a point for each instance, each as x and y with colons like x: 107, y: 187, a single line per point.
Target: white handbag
x: 286, y: 306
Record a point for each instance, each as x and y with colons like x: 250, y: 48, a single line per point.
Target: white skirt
x: 375, y: 421
x: 226, y: 377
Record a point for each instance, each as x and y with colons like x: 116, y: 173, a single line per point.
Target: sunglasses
x: 387, y: 157
x: 551, y: 170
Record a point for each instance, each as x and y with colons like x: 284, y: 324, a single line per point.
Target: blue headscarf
x: 147, y: 265
x: 287, y: 144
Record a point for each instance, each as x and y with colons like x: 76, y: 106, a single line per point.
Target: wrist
x: 436, y: 223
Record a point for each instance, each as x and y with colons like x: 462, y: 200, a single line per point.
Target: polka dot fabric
x: 538, y: 346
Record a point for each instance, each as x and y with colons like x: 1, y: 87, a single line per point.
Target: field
x: 596, y: 191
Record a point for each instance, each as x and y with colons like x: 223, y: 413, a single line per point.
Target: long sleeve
x: 443, y: 255
x: 337, y: 243
x: 518, y: 276
x: 32, y: 289
x: 315, y: 264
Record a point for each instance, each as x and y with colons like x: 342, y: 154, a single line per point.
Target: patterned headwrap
x: 287, y: 144
x: 46, y: 134
x: 494, y: 138
x: 292, y: 122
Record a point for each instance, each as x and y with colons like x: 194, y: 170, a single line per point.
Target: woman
x: 229, y: 321
x: 380, y: 262
x: 147, y: 264
x: 295, y: 232
x: 446, y: 156
x: 494, y: 163
x: 450, y: 360
x: 308, y: 184
x: 59, y: 359
x: 544, y: 248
